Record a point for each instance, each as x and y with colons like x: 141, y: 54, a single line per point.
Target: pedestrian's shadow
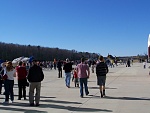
x: 98, y: 88
x: 110, y: 88
x: 93, y: 87
x: 124, y: 98
x: 91, y: 81
x: 22, y: 110
x: 2, y: 97
x: 58, y: 101
x: 69, y: 108
x: 46, y: 97
x: 40, y: 96
x: 127, y: 98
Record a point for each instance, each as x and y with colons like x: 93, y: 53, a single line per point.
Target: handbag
x: 4, y: 77
x: 1, y: 75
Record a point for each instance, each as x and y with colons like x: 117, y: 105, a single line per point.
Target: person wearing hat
x: 67, y: 68
x: 101, y: 71
x: 35, y: 76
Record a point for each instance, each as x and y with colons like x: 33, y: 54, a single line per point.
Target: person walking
x: 59, y: 66
x: 35, y: 76
x: 75, y: 76
x: 9, y: 82
x: 101, y: 71
x: 93, y: 66
x: 128, y: 63
x: 54, y: 63
x: 21, y: 73
x: 83, y: 75
x: 67, y: 68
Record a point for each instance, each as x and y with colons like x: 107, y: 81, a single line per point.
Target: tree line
x: 10, y: 51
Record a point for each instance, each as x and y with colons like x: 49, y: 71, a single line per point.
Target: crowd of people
x: 32, y: 75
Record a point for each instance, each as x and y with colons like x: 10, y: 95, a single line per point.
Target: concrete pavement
x: 127, y: 91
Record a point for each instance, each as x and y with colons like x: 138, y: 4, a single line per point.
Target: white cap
x: 67, y: 59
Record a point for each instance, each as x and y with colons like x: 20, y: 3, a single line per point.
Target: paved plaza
x: 127, y: 91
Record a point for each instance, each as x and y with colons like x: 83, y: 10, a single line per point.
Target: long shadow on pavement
x: 58, y: 101
x: 70, y: 108
x: 98, y: 88
x: 127, y: 98
x: 22, y: 110
x: 124, y: 98
x: 40, y: 96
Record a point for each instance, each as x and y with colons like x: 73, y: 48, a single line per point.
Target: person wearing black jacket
x: 67, y: 68
x: 101, y: 71
x: 59, y: 66
x: 35, y: 76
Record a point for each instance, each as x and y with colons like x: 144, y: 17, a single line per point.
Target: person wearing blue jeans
x: 67, y: 79
x: 83, y: 73
x: 8, y: 85
x: 9, y: 82
x: 83, y: 81
x: 67, y: 68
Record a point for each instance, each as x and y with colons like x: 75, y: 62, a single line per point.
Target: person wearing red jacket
x: 76, y: 81
x: 22, y: 80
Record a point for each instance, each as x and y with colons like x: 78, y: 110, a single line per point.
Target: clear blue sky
x: 117, y: 27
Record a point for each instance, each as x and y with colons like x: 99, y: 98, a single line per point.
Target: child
x: 76, y: 81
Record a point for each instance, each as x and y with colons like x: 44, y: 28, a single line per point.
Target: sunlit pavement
x: 127, y: 91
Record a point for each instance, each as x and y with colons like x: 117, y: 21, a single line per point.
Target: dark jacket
x: 59, y: 65
x: 101, y: 69
x: 35, y: 74
x: 67, y: 67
